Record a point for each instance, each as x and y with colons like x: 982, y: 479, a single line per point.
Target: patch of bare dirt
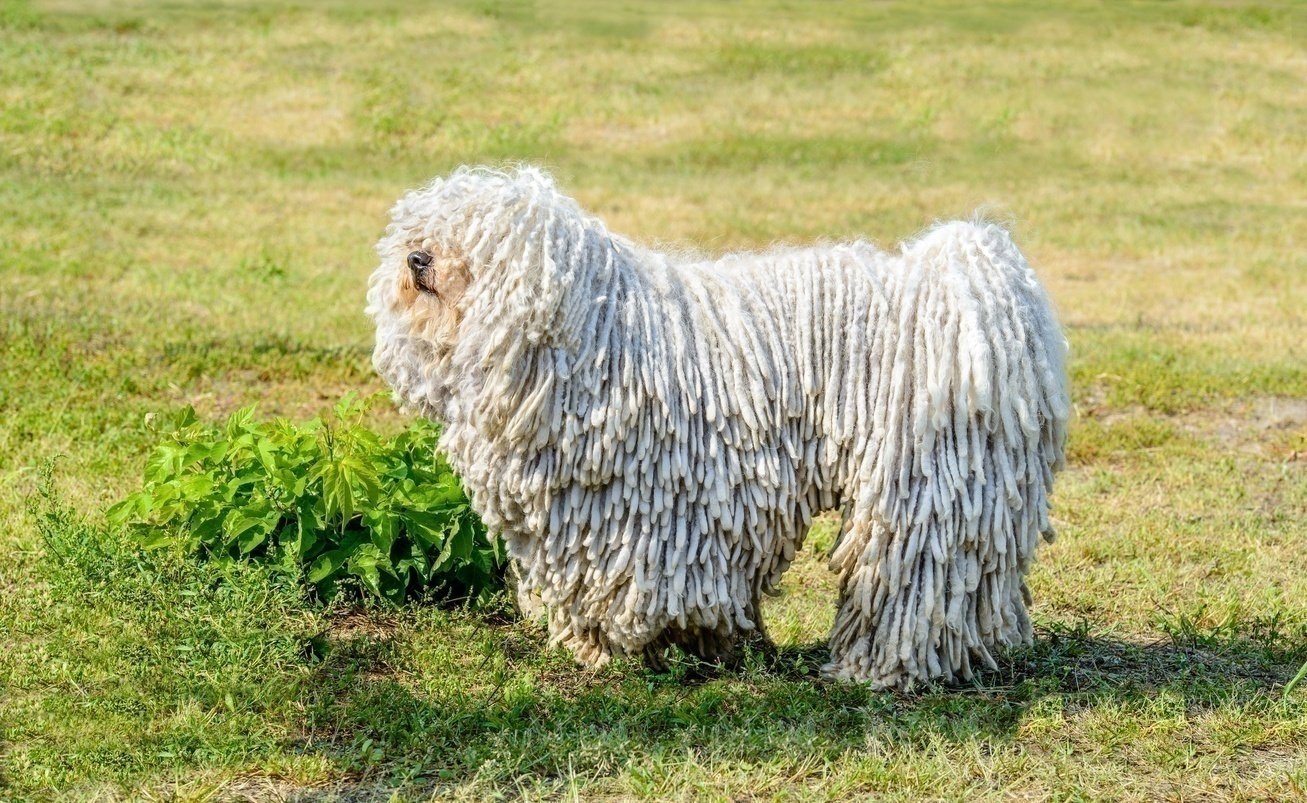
x: 1269, y: 426
x: 1272, y: 425
x: 359, y: 623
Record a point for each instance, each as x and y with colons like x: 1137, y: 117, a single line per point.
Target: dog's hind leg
x: 952, y: 496
x: 914, y: 607
x: 938, y: 594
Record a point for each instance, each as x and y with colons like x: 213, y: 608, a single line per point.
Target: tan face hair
x: 432, y: 286
x: 447, y: 277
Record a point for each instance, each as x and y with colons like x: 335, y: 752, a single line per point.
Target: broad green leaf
x: 432, y: 528
x: 395, y: 587
x: 267, y: 455
x: 156, y: 539
x: 444, y: 493
x: 195, y: 486
x: 246, y: 532
x: 328, y: 564
x: 464, y: 538
x: 208, y: 528
x: 306, y: 537
x: 128, y: 509
x: 443, y: 558
x: 384, y: 528
x: 240, y: 421
x: 185, y: 417
x: 364, y: 564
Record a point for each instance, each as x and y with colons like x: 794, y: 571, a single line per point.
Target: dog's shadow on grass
x: 532, y: 713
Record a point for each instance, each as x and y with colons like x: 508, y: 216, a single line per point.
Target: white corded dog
x: 653, y: 436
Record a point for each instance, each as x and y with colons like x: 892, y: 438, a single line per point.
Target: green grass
x: 189, y: 194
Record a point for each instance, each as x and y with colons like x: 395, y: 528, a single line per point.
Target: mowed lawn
x: 189, y: 195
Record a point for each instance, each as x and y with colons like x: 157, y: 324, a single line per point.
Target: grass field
x: 189, y: 195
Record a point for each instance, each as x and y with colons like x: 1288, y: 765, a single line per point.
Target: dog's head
x: 462, y: 247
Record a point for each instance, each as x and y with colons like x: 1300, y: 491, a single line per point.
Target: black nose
x: 418, y: 260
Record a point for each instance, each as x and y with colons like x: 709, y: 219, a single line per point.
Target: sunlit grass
x: 188, y: 199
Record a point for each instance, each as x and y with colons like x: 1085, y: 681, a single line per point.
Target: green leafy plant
x: 329, y: 500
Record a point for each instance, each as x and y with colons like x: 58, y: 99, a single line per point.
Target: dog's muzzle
x: 418, y: 262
